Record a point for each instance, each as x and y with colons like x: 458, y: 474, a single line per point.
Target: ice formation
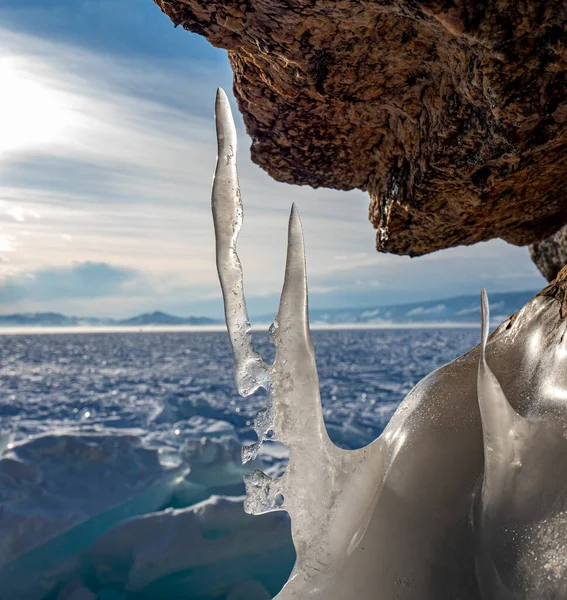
x: 59, y: 492
x: 462, y: 497
x: 113, y: 515
x: 192, y: 552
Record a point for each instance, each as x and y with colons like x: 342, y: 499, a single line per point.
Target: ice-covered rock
x: 463, y: 495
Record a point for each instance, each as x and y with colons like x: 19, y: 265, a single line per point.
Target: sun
x: 32, y: 115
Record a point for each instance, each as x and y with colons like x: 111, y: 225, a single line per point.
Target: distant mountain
x: 461, y: 309
x: 34, y: 318
x: 160, y: 318
x: 50, y: 319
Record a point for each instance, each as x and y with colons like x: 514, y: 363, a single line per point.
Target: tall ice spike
x: 322, y: 484
x: 250, y: 372
x: 296, y: 383
x: 500, y: 421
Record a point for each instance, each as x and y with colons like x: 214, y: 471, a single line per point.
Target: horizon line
x: 220, y: 319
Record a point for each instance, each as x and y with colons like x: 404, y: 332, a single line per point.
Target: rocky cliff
x: 452, y: 114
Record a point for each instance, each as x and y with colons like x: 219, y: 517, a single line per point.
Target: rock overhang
x: 452, y: 115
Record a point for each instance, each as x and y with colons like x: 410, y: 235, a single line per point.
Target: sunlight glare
x: 6, y: 244
x: 31, y: 113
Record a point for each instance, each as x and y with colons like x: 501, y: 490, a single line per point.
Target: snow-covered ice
x: 128, y: 436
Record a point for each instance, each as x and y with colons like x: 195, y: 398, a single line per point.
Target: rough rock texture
x: 558, y: 289
x: 451, y: 113
x: 550, y: 255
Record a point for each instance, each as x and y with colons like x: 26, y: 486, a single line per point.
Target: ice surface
x: 50, y: 382
x: 161, y: 443
x: 60, y: 492
x: 403, y: 517
x: 522, y: 517
x: 70, y: 504
x: 127, y: 380
x: 206, y: 551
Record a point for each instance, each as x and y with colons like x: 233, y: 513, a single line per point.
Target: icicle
x: 295, y: 390
x: 498, y: 417
x: 250, y: 371
x: 392, y: 520
x: 295, y: 384
x: 293, y: 415
x: 322, y: 483
x: 522, y: 518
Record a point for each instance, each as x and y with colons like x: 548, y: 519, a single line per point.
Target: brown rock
x: 550, y: 255
x: 452, y: 114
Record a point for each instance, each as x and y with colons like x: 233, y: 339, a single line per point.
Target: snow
x: 59, y: 492
x: 88, y: 503
x: 161, y: 404
x: 173, y: 552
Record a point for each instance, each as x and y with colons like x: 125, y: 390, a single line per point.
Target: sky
x: 107, y: 151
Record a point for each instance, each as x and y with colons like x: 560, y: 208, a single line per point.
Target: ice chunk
x: 202, y: 551
x: 522, y: 517
x: 215, y: 461
x: 60, y: 492
x: 6, y: 439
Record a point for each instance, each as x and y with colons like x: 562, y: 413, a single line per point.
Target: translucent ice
x: 444, y: 505
x: 522, y: 517
x: 60, y: 492
x: 204, y: 551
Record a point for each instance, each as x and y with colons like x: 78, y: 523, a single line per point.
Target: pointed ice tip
x: 221, y: 94
x: 293, y: 299
x: 295, y: 221
x: 485, y: 320
x: 226, y: 130
x: 295, y: 238
x: 221, y: 104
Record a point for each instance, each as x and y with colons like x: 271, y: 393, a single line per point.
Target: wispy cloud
x: 124, y: 180
x: 81, y: 280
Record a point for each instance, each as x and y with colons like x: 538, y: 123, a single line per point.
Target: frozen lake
x: 120, y: 472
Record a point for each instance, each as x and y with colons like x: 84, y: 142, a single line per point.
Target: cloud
x: 126, y: 182
x: 6, y: 243
x: 80, y: 280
